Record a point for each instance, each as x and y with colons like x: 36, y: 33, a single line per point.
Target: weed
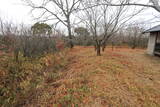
x: 68, y: 101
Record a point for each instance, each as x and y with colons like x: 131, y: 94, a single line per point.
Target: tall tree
x: 60, y: 10
x: 92, y: 18
x: 104, y: 21
x: 155, y: 4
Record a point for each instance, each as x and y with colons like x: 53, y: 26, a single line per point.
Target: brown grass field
x: 119, y: 78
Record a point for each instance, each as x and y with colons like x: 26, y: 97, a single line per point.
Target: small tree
x: 41, y: 29
x: 81, y: 31
x: 135, y: 36
x: 82, y: 36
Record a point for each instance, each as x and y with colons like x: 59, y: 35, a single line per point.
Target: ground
x: 120, y: 77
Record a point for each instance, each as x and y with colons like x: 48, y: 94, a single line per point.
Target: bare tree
x: 92, y: 18
x: 155, y: 4
x: 2, y: 27
x: 134, y: 36
x: 60, y: 10
x: 104, y: 21
x: 111, y: 24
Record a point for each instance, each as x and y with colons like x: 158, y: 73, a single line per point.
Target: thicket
x: 19, y: 81
x: 131, y: 37
x: 24, y: 62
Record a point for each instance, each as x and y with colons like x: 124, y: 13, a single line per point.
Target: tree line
x: 88, y: 22
x: 102, y: 18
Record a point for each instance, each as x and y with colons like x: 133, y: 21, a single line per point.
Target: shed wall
x: 151, y: 43
x: 158, y: 37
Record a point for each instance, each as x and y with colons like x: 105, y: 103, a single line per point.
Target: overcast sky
x: 16, y: 12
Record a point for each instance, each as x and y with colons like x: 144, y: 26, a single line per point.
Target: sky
x: 17, y: 12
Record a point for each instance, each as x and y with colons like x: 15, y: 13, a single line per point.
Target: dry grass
x: 119, y: 78
x: 122, y: 77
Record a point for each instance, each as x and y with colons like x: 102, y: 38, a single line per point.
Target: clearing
x: 122, y: 77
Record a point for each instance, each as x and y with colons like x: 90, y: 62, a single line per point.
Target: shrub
x: 33, y: 46
x: 19, y: 81
x: 19, y: 78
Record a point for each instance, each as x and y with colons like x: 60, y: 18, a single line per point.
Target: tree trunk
x: 103, y: 47
x: 70, y: 33
x: 112, y: 46
x: 95, y: 47
x: 16, y: 55
x: 134, y: 45
x: 98, y: 50
x: 70, y: 38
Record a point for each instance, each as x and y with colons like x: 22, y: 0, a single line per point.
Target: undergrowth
x: 19, y: 81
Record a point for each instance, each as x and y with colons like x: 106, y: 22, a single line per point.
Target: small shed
x: 154, y: 41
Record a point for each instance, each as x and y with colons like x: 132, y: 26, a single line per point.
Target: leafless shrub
x: 20, y: 39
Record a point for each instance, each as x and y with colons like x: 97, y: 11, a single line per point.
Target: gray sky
x: 16, y: 12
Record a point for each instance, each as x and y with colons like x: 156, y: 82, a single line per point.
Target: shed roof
x: 154, y: 29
